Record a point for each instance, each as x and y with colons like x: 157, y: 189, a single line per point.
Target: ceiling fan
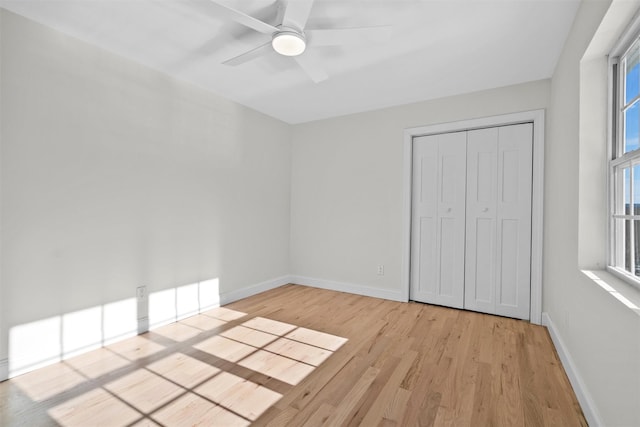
x: 291, y: 38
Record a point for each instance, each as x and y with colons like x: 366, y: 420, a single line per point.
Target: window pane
x: 636, y: 190
x: 627, y: 245
x: 619, y: 176
x: 631, y: 244
x: 636, y: 244
x: 619, y: 242
x: 631, y: 122
x: 632, y: 74
x: 627, y: 191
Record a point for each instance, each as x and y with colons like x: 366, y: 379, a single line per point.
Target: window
x: 625, y: 164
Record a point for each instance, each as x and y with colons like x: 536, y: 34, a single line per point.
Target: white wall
x: 347, y: 211
x: 3, y: 343
x: 601, y: 335
x: 113, y: 175
x: 347, y: 184
x: 116, y: 176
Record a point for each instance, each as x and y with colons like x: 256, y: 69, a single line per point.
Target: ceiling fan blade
x: 249, y: 55
x: 296, y: 13
x: 341, y: 36
x: 310, y: 66
x: 243, y: 18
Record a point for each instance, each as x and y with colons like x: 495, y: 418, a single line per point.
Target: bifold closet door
x: 438, y: 219
x: 498, y: 220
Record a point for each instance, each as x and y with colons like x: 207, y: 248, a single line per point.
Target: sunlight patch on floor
x: 183, y: 369
x: 177, y: 331
x: 238, y: 395
x: 144, y: 390
x: 192, y: 409
x: 224, y: 348
x: 102, y: 405
x: 199, y: 369
x: 97, y: 363
x: 135, y: 348
x: 49, y: 381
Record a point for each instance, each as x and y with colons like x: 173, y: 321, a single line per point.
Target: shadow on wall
x: 43, y: 342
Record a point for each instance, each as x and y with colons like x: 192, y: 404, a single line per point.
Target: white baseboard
x: 144, y: 326
x: 347, y: 287
x: 229, y: 297
x: 4, y: 369
x: 586, y: 402
x: 224, y: 299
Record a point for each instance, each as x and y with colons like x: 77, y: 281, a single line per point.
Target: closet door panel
x: 515, y: 167
x: 481, y: 284
x: 438, y: 221
x: 480, y: 257
x: 471, y: 220
x: 509, y: 251
x: 498, y: 252
x: 424, y: 218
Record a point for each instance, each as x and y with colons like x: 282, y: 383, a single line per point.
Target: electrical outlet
x: 141, y: 292
x: 381, y: 270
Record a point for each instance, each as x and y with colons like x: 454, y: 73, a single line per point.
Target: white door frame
x: 534, y: 116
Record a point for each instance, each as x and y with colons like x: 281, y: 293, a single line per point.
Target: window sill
x: 617, y: 288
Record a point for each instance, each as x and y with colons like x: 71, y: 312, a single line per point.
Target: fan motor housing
x: 289, y: 42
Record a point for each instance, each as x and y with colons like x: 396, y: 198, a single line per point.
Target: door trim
x: 534, y: 116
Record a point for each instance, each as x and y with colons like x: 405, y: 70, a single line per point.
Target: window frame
x: 619, y: 160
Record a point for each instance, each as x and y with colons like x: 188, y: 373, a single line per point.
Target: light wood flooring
x: 303, y: 356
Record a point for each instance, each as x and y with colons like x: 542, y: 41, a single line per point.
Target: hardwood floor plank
x: 509, y: 405
x: 459, y: 386
x: 529, y: 382
x: 387, y: 423
x: 385, y: 399
x: 366, y: 404
x: 296, y: 356
x: 334, y: 391
x: 483, y: 411
x: 396, y: 406
x: 282, y: 418
x: 320, y: 416
x: 308, y: 389
x: 352, y: 398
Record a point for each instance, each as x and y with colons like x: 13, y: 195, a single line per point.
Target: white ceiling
x: 436, y: 49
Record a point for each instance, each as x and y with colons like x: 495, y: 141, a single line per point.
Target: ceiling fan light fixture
x: 288, y: 43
